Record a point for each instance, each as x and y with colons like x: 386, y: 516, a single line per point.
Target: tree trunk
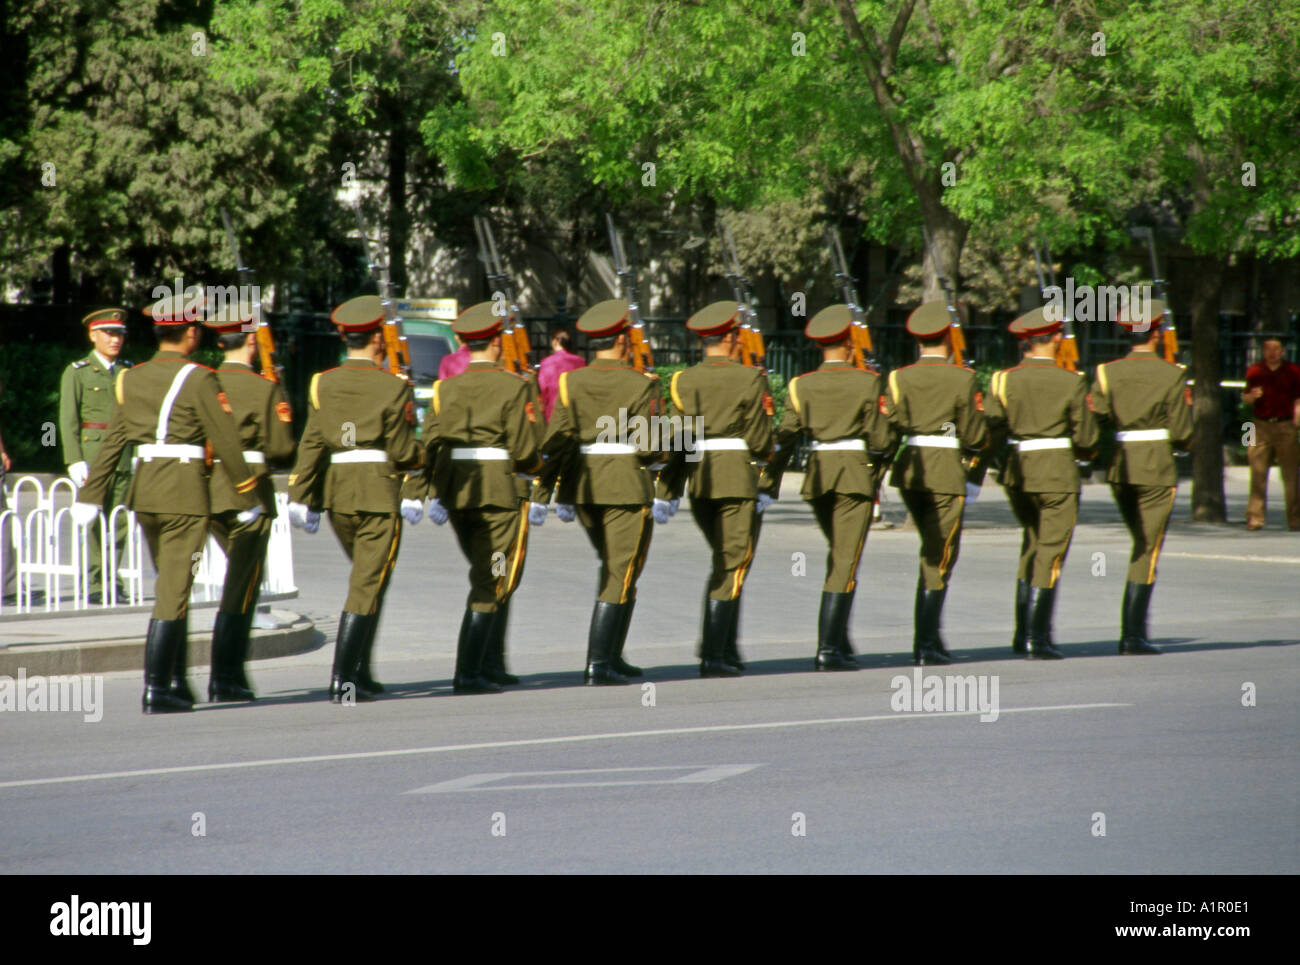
x: 947, y: 237
x: 1208, y: 503
x: 398, y: 219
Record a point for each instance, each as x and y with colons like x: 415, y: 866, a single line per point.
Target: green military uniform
x: 171, y: 408
x: 480, y: 430
x: 358, y: 441
x: 85, y: 406
x: 839, y: 406
x: 599, y: 444
x: 265, y: 426
x: 938, y: 409
x: 1044, y: 409
x: 1150, y: 405
x: 732, y: 407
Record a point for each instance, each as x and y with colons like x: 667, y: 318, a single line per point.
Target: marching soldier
x: 85, y: 406
x: 360, y: 436
x: 1023, y: 512
x: 481, y: 429
x: 171, y: 407
x: 733, y: 408
x: 840, y: 406
x: 265, y: 427
x: 606, y: 481
x: 938, y: 409
x: 1044, y: 409
x: 1150, y: 405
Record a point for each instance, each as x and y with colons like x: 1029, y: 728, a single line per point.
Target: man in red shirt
x: 560, y: 360
x: 1274, y: 386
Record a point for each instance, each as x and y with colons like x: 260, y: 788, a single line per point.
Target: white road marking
x: 1293, y: 560
x: 697, y: 774
x: 529, y: 742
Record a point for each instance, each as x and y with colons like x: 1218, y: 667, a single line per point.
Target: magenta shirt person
x: 454, y: 364
x: 560, y: 360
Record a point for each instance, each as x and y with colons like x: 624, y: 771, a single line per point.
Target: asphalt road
x: 717, y: 775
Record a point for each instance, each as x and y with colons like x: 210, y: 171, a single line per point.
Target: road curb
x: 103, y: 656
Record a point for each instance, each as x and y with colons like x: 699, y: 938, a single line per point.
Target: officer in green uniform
x: 840, y: 407
x: 1150, y: 405
x: 85, y: 406
x: 359, y: 438
x: 602, y: 438
x: 939, y: 411
x: 1023, y: 512
x: 1043, y: 408
x: 171, y: 408
x: 732, y: 408
x: 265, y: 427
x: 482, y: 429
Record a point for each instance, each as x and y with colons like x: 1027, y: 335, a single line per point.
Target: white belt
x: 840, y: 445
x: 608, y: 449
x: 479, y: 452
x: 1141, y: 435
x: 253, y: 457
x: 717, y: 445
x: 935, y: 442
x: 1031, y: 445
x: 359, y: 455
x: 152, y: 450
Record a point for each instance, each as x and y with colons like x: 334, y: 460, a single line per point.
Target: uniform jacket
x: 86, y: 396
x: 1143, y: 391
x: 355, y: 406
x: 836, y: 401
x: 1038, y: 399
x: 732, y: 401
x: 264, y: 423
x: 608, y: 401
x: 200, y: 415
x: 933, y: 397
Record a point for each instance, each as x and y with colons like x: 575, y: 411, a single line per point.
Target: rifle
x: 1067, y: 353
x: 642, y: 360
x: 514, y: 335
x: 271, y: 368
x: 860, y: 335
x: 1170, y: 336
x: 752, y: 351
x: 958, y: 338
x: 396, y: 349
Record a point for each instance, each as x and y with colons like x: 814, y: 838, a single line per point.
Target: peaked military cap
x: 478, y: 322
x: 361, y: 314
x: 604, y: 319
x: 715, y: 319
x: 831, y: 324
x: 1128, y: 318
x: 1034, y: 323
x: 230, y: 317
x: 106, y: 318
x: 182, y: 309
x: 930, y: 320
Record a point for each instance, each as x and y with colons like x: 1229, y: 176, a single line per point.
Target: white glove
x: 673, y: 504
x: 79, y: 472
x: 83, y: 514
x: 661, y: 510
x: 566, y: 512
x: 304, y: 518
x: 437, y: 512
x: 412, y: 510
x: 537, y: 513
x: 764, y: 501
x: 972, y: 492
x: 248, y: 515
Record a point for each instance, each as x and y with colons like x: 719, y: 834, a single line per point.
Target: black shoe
x: 718, y: 624
x: 1041, y: 602
x: 926, y: 646
x: 158, y: 662
x: 180, y: 685
x: 617, y: 661
x: 832, y: 633
x: 365, y: 679
x: 1133, y: 637
x: 602, y: 638
x: 494, y: 657
x: 348, y: 650
x: 223, y: 678
x: 1020, y: 639
x: 245, y: 642
x: 475, y: 629
x: 731, y: 651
